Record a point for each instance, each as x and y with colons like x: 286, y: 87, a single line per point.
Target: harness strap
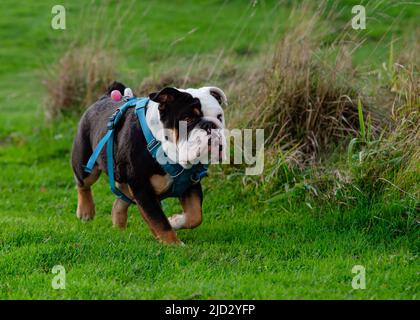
x: 92, y: 160
x: 110, y: 166
x: 108, y: 139
x: 152, y: 143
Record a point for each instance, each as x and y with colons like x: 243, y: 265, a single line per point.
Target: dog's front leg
x: 152, y: 213
x: 191, y: 202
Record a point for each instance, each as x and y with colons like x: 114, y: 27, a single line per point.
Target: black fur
x: 116, y: 86
x: 175, y: 106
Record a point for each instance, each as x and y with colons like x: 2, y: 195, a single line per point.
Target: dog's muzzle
x: 206, y: 143
x: 214, y: 141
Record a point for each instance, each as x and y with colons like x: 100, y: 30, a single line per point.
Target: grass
x: 251, y: 245
x: 246, y: 248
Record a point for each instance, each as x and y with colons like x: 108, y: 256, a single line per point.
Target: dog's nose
x: 208, y: 126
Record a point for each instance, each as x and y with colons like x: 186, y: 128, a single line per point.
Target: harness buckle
x: 111, y: 122
x: 152, y: 144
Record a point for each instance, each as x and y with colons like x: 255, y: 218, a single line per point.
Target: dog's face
x: 194, y: 121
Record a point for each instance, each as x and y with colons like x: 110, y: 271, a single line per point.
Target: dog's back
x: 91, y: 128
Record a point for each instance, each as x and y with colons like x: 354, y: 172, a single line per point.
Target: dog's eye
x: 220, y: 117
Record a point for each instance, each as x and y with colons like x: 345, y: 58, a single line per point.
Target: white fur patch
x: 177, y: 221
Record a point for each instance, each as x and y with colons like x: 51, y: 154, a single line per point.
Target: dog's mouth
x: 198, y: 141
x: 205, y: 144
x: 215, y: 156
x: 215, y: 151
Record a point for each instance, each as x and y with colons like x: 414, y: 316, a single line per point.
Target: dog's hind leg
x: 81, y: 152
x: 120, y: 208
x: 85, y: 205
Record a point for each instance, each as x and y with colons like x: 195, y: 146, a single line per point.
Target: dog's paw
x: 174, y: 243
x: 85, y: 214
x: 169, y: 238
x: 177, y: 221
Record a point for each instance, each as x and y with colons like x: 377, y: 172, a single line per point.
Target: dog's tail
x: 116, y: 86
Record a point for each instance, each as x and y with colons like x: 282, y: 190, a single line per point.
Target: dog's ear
x: 218, y: 94
x: 164, y: 96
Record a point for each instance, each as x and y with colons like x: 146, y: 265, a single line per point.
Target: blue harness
x: 182, y: 178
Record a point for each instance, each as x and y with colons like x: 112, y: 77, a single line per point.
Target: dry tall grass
x: 393, y: 160
x: 78, y: 79
x: 87, y: 65
x: 306, y: 96
x: 385, y: 166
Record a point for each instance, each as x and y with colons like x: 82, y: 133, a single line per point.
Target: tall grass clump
x: 306, y: 98
x: 390, y: 164
x: 87, y: 64
x: 382, y: 170
x: 78, y: 78
x: 311, y: 100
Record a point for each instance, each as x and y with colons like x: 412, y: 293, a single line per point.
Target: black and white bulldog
x: 137, y: 173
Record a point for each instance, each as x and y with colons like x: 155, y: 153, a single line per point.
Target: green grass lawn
x: 246, y: 248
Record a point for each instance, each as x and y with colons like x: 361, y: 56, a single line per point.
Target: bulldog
x: 189, y: 124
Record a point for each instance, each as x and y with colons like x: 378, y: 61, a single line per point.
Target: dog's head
x: 193, y: 120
